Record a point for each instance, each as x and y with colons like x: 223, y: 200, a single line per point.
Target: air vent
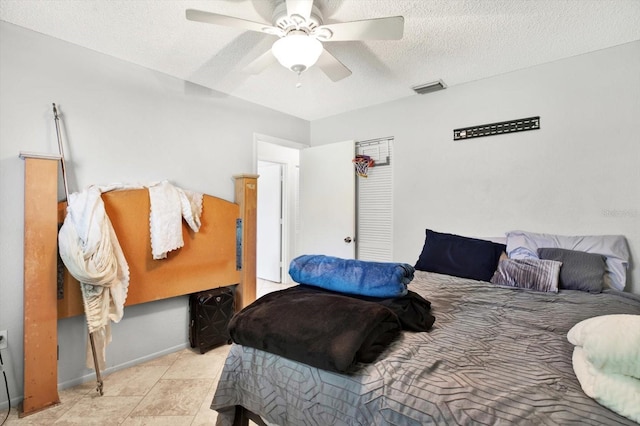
x: 434, y: 86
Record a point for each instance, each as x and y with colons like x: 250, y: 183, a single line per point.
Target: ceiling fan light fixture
x: 297, y: 51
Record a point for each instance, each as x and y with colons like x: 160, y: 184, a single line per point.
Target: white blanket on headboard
x: 92, y: 254
x: 169, y: 205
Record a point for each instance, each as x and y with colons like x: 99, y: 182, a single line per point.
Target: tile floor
x: 172, y: 390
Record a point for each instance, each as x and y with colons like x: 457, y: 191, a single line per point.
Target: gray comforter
x: 494, y: 356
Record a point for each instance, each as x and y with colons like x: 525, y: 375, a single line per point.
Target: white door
x: 327, y: 200
x: 269, y: 222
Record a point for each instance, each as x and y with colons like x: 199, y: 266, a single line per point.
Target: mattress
x: 495, y: 355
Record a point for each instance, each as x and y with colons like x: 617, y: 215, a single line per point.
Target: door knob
x: 347, y: 240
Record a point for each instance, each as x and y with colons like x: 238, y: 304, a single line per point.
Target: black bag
x: 211, y: 311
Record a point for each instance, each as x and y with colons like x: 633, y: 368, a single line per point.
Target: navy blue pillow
x: 459, y: 256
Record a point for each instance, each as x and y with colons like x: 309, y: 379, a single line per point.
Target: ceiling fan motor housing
x: 289, y: 23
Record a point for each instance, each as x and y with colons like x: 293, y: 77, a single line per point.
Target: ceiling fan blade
x: 333, y: 68
x: 390, y: 28
x: 260, y: 63
x: 299, y: 7
x: 230, y: 21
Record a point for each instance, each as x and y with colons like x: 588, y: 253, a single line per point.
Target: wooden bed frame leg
x: 246, y: 192
x: 243, y: 416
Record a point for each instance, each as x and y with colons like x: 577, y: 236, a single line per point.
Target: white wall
x: 578, y: 174
x: 121, y: 123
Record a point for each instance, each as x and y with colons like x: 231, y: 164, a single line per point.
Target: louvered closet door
x: 374, y: 198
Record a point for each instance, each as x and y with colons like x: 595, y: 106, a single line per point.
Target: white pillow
x: 525, y: 245
x: 617, y: 392
x: 610, y: 342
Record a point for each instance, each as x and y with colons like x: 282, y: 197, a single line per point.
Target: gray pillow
x: 534, y: 274
x: 580, y: 270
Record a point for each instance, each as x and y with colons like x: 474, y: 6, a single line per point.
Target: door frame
x: 289, y: 225
x: 269, y: 234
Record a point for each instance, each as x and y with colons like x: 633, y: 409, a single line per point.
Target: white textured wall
x: 121, y: 123
x: 579, y: 174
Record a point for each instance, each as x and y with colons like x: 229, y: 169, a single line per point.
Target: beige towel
x: 91, y: 252
x: 169, y: 205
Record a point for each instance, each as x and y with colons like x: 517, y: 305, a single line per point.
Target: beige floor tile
x: 46, y: 416
x: 175, y: 397
x: 99, y: 410
x: 206, y: 402
x: 68, y: 397
x: 77, y: 392
x: 137, y: 380
x: 165, y: 359
x: 205, y: 417
x: 3, y: 413
x: 160, y: 421
x: 194, y: 365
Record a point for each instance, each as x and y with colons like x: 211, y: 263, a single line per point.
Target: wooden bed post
x: 246, y: 197
x: 40, y: 282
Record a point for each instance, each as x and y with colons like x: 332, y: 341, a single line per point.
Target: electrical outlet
x: 3, y: 339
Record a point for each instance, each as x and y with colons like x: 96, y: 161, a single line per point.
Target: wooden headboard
x: 207, y: 260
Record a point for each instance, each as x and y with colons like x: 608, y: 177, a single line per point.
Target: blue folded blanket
x: 376, y: 279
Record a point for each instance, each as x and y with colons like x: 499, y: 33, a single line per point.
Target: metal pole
x: 96, y: 366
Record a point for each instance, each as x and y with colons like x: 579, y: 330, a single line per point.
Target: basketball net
x: 362, y: 164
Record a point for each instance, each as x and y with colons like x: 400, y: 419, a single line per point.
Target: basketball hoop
x: 362, y: 164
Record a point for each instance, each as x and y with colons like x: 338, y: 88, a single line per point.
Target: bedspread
x: 495, y: 355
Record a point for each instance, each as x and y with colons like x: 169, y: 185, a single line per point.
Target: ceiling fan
x: 301, y: 33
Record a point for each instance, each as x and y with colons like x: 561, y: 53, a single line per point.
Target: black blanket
x: 413, y: 310
x: 323, y: 329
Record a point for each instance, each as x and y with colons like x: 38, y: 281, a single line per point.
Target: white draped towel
x: 169, y: 205
x: 91, y: 252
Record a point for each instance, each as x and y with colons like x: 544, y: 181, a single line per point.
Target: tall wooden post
x: 40, y: 282
x: 246, y: 197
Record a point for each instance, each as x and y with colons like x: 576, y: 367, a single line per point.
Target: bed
x: 495, y: 355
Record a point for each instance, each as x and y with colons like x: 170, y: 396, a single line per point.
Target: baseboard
x: 91, y: 376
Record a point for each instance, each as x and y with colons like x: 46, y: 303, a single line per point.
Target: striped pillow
x: 534, y: 274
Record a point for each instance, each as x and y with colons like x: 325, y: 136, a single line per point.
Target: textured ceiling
x: 456, y: 41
